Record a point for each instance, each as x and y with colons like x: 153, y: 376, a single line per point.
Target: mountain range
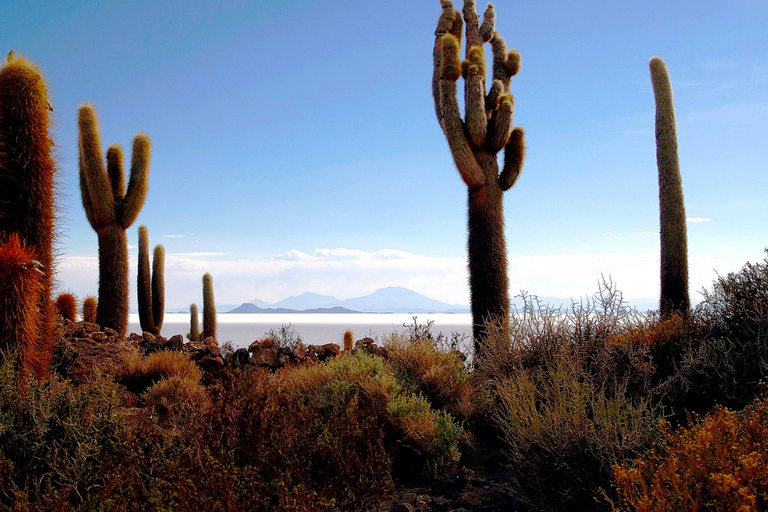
x: 388, y: 300
x: 384, y: 300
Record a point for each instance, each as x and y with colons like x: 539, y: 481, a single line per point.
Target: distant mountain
x: 384, y: 300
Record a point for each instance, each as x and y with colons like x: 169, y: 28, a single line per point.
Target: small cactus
x: 673, y: 234
x: 209, y: 308
x: 150, y: 288
x: 66, y: 305
x: 90, y: 306
x: 111, y: 210
x: 194, y: 323
x: 349, y: 341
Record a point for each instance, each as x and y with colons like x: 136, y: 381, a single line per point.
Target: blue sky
x: 295, y: 147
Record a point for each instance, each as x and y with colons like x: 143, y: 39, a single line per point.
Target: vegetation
x: 150, y: 285
x: 474, y: 142
x: 674, y: 237
x: 111, y: 209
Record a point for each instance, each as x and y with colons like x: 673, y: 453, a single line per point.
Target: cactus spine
x: 673, y: 232
x: 194, y: 325
x: 209, y: 308
x: 151, y: 287
x: 27, y: 192
x: 111, y: 210
x: 486, y: 129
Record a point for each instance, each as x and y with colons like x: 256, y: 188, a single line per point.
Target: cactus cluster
x: 111, y: 210
x: 27, y: 213
x: 474, y: 141
x: 150, y: 285
x: 673, y: 233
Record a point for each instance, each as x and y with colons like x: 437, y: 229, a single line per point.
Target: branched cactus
x: 111, y: 210
x: 674, y: 237
x: 22, y: 281
x: 194, y: 323
x: 66, y: 305
x: 486, y: 129
x: 151, y: 287
x: 209, y: 308
x: 90, y: 305
x: 27, y: 190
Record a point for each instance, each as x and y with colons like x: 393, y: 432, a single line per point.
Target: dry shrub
x: 139, y: 372
x: 434, y: 372
x: 719, y: 465
x: 177, y: 398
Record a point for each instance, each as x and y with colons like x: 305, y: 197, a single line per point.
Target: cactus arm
x: 473, y: 70
x: 500, y: 125
x: 158, y: 287
x: 138, y: 183
x: 97, y: 194
x: 144, y: 292
x: 488, y: 27
x: 86, y: 196
x: 115, y: 172
x: 471, y: 19
x: 194, y: 323
x: 453, y: 127
x: 450, y: 22
x: 514, y: 154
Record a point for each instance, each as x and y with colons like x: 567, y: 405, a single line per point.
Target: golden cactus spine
x: 66, y: 305
x: 673, y: 233
x: 22, y: 281
x: 27, y: 186
x: 111, y: 210
x: 194, y: 323
x: 150, y: 285
x: 474, y: 141
x: 209, y: 308
x: 90, y: 306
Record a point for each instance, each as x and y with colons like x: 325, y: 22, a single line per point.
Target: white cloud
x: 644, y: 233
x: 698, y: 219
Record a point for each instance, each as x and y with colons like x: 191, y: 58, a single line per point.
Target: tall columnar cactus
x: 27, y: 182
x: 209, y: 308
x: 474, y: 141
x: 674, y: 237
x: 111, y: 210
x: 151, y: 287
x: 194, y: 323
x: 22, y: 281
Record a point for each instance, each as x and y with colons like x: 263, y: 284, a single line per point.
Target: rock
x: 265, y: 357
x: 195, y: 346
x: 149, y: 337
x: 316, y: 351
x: 212, y: 345
x: 175, y: 342
x: 331, y: 350
x: 98, y: 336
x: 210, y: 362
x: 240, y: 358
x: 299, y: 353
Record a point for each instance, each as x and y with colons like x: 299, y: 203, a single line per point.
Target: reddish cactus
x: 27, y: 189
x: 90, y: 306
x: 111, y: 210
x: 66, y: 305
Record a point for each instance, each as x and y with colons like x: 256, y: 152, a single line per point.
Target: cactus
x: 474, y: 143
x: 673, y: 232
x: 209, y: 308
x: 111, y: 210
x: 349, y: 341
x: 90, y: 305
x: 22, y: 281
x: 27, y: 184
x: 66, y: 305
x: 150, y: 287
x: 194, y: 326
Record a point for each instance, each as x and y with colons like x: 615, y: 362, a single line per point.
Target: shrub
x: 139, y: 372
x: 718, y: 465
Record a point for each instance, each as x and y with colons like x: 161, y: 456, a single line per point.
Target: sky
x: 295, y: 146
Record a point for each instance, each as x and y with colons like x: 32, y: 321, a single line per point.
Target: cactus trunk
x: 194, y: 323
x: 209, y: 308
x: 27, y: 192
x: 112, y: 308
x: 673, y: 231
